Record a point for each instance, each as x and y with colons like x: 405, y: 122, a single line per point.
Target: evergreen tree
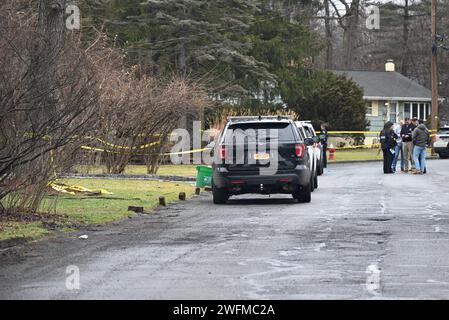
x: 200, y: 39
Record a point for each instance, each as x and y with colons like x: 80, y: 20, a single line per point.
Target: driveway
x: 364, y: 235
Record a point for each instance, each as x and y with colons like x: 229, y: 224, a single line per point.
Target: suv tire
x: 303, y: 195
x: 220, y: 195
x: 315, y: 180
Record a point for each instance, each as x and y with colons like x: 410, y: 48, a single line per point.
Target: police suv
x: 264, y: 155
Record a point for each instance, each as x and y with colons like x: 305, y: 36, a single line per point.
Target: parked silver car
x: 317, y: 147
x: 314, y: 157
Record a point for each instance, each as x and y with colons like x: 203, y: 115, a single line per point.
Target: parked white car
x: 441, y: 144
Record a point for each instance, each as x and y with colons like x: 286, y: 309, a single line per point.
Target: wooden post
x: 434, y: 73
x: 182, y: 196
x: 197, y: 191
x: 162, y: 201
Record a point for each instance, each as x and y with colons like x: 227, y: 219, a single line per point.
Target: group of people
x: 407, y: 139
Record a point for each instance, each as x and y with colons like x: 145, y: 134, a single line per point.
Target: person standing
x: 323, y: 139
x: 407, y: 144
x: 421, y: 138
x: 398, y: 149
x: 388, y: 143
x: 424, y: 171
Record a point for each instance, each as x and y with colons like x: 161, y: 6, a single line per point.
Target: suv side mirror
x: 309, y: 142
x: 316, y: 139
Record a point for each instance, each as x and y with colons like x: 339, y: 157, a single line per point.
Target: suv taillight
x: 299, y: 150
x: 222, y: 151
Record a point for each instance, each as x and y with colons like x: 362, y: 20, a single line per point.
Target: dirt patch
x: 28, y: 216
x: 8, y: 243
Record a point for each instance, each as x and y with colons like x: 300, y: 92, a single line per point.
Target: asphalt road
x: 365, y: 235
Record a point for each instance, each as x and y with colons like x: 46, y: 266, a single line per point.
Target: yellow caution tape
x: 164, y: 154
x: 145, y: 146
x: 93, y: 149
x: 186, y: 152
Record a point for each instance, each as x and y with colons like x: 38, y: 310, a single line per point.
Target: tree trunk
x: 328, y: 29
x: 51, y: 18
x: 350, y: 33
x: 182, y: 60
x: 405, y: 36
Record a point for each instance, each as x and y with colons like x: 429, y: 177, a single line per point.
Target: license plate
x: 261, y: 156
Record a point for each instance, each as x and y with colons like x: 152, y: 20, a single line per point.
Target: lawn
x: 33, y: 230
x: 360, y: 155
x: 165, y: 170
x: 75, y: 210
x: 357, y: 155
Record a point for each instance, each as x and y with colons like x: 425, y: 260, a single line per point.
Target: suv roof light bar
x: 249, y: 118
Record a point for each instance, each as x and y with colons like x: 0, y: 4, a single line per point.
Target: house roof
x: 387, y: 85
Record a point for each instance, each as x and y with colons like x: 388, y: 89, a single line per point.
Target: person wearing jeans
x: 419, y: 156
x: 421, y: 138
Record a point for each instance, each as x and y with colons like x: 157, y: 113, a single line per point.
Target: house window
x: 406, y: 110
x: 369, y: 108
x: 393, y: 112
x: 422, y: 111
x: 415, y: 110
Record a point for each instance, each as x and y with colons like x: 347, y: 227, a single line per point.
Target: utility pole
x: 434, y: 74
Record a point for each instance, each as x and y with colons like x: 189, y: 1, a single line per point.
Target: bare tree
x: 47, y: 99
x: 138, y: 112
x: 348, y: 20
x: 328, y: 32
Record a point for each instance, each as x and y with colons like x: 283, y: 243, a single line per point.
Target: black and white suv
x: 264, y: 155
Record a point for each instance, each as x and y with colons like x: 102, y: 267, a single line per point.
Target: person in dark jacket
x: 388, y: 143
x: 323, y: 139
x: 421, y: 138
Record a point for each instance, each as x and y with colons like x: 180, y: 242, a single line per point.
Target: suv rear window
x: 284, y: 130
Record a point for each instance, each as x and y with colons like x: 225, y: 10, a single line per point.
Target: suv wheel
x: 220, y: 195
x: 303, y: 195
x: 315, y: 180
